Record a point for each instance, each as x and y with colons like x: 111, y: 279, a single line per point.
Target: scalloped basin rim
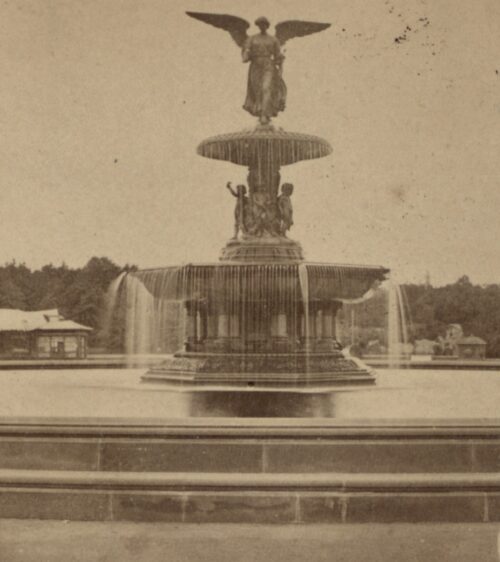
x: 253, y: 146
x: 269, y: 281
x: 292, y: 264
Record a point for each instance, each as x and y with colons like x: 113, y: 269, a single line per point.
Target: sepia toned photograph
x: 250, y: 281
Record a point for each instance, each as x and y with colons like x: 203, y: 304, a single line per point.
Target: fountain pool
x: 436, y: 396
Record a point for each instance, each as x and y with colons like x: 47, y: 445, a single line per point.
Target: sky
x: 103, y: 102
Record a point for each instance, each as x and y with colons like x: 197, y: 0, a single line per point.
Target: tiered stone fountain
x: 262, y: 316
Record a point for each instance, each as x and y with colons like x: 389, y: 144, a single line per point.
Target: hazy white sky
x: 103, y: 102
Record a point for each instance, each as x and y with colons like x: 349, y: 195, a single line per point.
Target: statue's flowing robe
x: 266, y: 90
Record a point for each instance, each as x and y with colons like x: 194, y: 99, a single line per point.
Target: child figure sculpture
x: 240, y: 210
x: 285, y: 208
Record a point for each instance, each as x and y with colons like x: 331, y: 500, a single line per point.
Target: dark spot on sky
x: 115, y: 160
x: 411, y: 30
x: 343, y: 29
x: 399, y: 193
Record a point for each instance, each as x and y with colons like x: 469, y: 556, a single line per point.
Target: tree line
x: 78, y: 293
x: 430, y: 310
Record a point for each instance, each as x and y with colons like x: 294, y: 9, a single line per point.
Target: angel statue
x: 266, y: 90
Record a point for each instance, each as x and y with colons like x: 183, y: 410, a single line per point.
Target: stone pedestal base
x: 293, y: 371
x: 263, y: 250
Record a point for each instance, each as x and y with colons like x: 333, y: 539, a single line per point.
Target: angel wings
x: 266, y: 90
x: 237, y: 27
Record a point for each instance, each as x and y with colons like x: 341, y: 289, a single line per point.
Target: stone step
x: 249, y: 448
x: 252, y: 497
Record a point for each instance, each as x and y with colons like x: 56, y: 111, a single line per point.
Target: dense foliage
x: 431, y: 309
x: 475, y: 307
x: 79, y: 294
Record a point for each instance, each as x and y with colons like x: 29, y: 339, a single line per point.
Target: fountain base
x: 261, y: 370
x: 253, y: 323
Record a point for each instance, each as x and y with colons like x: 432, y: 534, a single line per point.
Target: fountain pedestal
x: 264, y: 250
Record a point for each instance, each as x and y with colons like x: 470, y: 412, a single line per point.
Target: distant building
x: 42, y: 334
x: 471, y: 347
x: 456, y: 344
x: 425, y: 347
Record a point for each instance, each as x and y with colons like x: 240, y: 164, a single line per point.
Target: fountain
x: 423, y: 450
x: 262, y: 316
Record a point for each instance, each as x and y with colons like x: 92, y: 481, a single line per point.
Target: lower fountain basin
x: 249, y: 324
x: 261, y: 281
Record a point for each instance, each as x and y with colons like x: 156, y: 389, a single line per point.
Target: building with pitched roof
x: 471, y: 347
x: 41, y: 334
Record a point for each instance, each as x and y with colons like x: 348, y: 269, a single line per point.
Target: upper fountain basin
x: 264, y: 144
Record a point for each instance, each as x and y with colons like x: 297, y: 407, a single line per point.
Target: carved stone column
x: 308, y: 327
x: 327, y: 326
x: 222, y: 325
x: 191, y: 325
x: 212, y: 321
x: 318, y: 324
x: 326, y: 342
x: 280, y: 330
x: 282, y: 325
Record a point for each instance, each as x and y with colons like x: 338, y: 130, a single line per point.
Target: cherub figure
x: 285, y: 208
x: 241, y: 208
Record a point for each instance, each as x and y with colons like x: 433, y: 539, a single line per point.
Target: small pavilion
x: 471, y: 347
x: 41, y: 334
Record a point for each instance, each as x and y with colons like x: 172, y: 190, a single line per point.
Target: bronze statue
x: 260, y: 214
x: 241, y: 210
x: 285, y: 208
x: 266, y: 90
